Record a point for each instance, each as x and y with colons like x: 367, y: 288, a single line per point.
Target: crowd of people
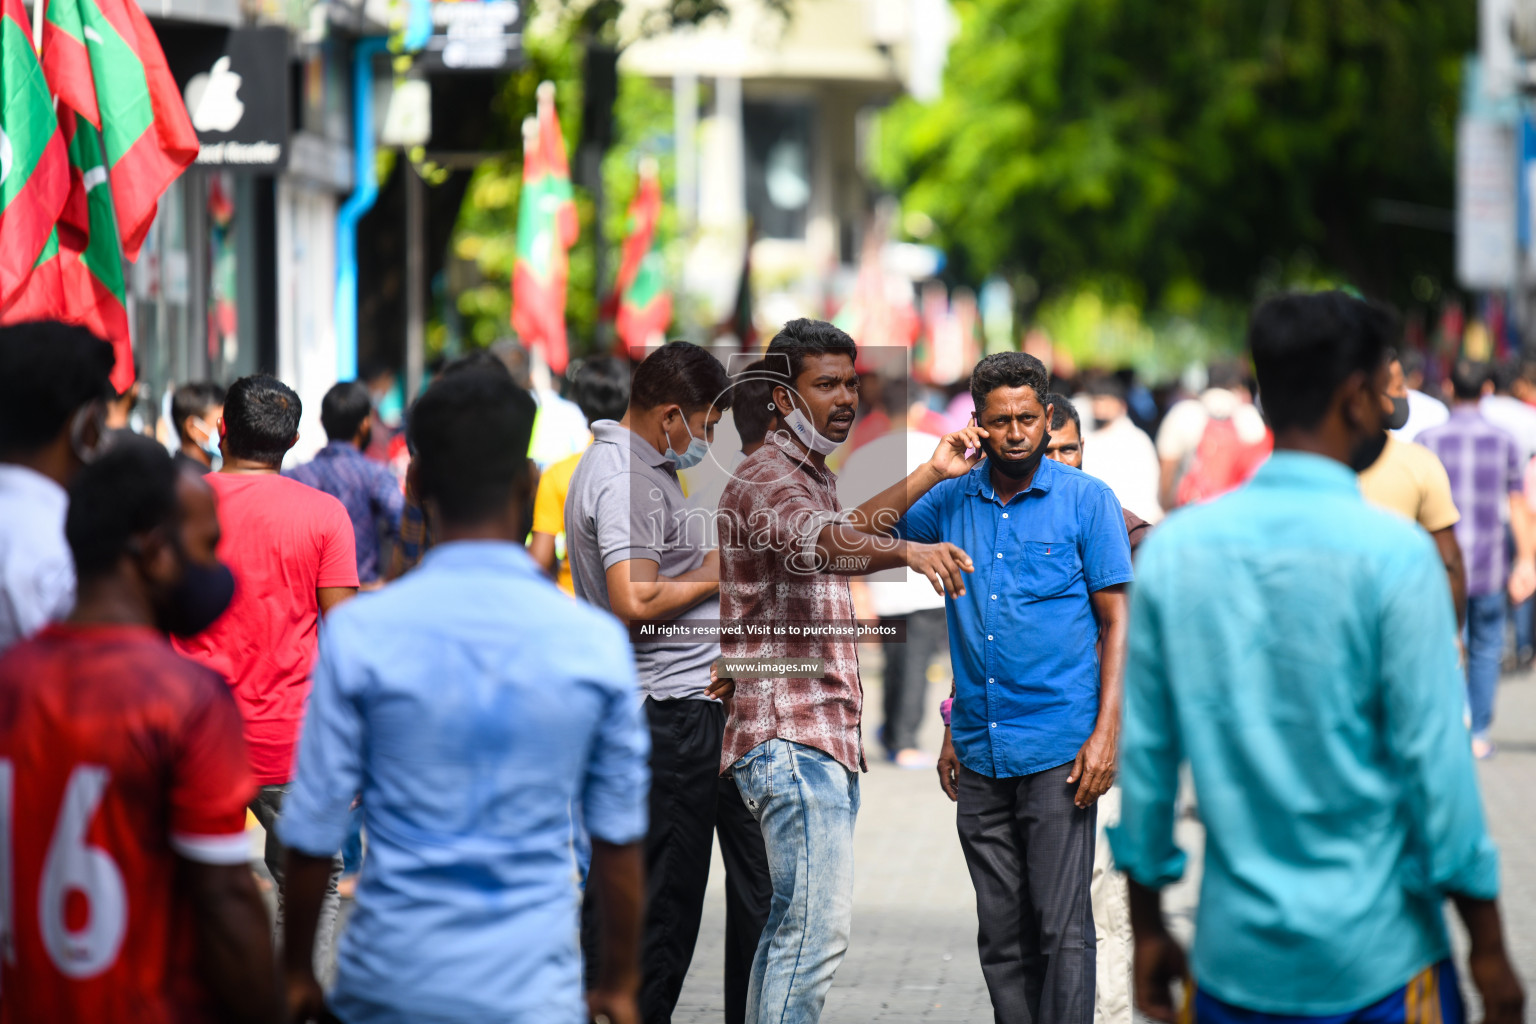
x: 563, y: 683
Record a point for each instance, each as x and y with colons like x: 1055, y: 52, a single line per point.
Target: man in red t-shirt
x: 123, y: 777
x: 294, y: 558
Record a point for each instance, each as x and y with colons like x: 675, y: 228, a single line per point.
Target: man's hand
x: 720, y: 689
x: 612, y: 1007
x: 306, y: 1000
x: 949, y: 768
x: 1158, y: 962
x: 1522, y: 580
x: 1498, y: 985
x: 942, y: 563
x: 949, y: 458
x: 1095, y: 766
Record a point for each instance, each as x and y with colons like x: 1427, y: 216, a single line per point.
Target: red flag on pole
x: 103, y: 60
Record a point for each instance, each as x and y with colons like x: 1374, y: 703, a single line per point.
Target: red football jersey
x: 116, y: 754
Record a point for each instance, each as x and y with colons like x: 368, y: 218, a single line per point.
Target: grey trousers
x: 1030, y: 853
x: 267, y: 807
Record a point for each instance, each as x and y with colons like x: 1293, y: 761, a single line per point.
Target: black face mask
x: 1399, y: 414
x: 1017, y: 470
x: 1367, y: 452
x: 199, y: 599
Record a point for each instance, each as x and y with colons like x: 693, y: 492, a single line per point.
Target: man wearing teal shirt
x: 1297, y: 647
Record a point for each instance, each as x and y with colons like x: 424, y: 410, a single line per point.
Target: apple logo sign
x: 212, y: 98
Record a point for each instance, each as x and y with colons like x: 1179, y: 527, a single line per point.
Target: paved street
x: 913, y: 953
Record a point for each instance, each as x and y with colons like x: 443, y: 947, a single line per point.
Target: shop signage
x: 237, y: 97
x: 474, y: 35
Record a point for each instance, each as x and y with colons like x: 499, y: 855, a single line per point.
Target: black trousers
x: 906, y: 674
x: 689, y: 804
x: 1030, y: 853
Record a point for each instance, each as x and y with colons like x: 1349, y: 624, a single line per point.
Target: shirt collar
x: 612, y: 432
x: 1460, y: 411
x: 34, y: 484
x: 780, y: 440
x: 338, y: 449
x: 979, y: 479
x: 1307, y: 471
x: 502, y: 555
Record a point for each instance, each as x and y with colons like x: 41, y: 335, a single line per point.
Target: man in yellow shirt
x: 1409, y: 480
x: 601, y: 389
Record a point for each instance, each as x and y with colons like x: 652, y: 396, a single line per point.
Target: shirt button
x: 989, y: 636
x: 1005, y: 515
x: 994, y: 597
x: 994, y: 725
x: 999, y: 554
x: 991, y: 680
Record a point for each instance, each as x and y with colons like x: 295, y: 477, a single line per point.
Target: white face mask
x: 691, y: 456
x: 210, y: 442
x: 809, y: 436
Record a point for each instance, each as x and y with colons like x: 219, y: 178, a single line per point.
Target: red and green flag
x: 104, y: 62
x: 41, y: 296
x: 34, y: 172
x: 95, y: 289
x: 640, y: 303
x: 78, y: 277
x: 546, y: 229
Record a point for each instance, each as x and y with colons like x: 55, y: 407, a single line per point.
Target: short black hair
x: 752, y: 396
x: 680, y: 372
x: 1467, y: 379
x: 343, y: 410
x: 601, y: 388
x: 194, y: 399
x: 1412, y: 360
x: 1504, y: 376
x: 1062, y: 409
x: 261, y: 419
x: 48, y: 370
x: 130, y: 490
x: 1304, y: 348
x: 470, y: 433
x: 1008, y: 370
x: 1227, y: 374
x: 481, y: 359
x: 804, y: 337
x: 1105, y: 385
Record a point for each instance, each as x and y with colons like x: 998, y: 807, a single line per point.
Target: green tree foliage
x: 1171, y: 153
x: 485, y: 237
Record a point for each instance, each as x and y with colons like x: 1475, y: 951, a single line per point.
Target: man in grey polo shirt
x: 637, y: 550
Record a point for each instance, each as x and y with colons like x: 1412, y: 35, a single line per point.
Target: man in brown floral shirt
x: 792, y: 740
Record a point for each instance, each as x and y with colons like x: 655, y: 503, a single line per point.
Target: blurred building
x: 774, y: 122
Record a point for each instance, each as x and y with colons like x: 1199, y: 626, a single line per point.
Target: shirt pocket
x: 1048, y: 569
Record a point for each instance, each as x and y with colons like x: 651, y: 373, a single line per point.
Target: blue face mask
x: 697, y: 449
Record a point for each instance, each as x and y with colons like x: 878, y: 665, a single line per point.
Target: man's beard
x: 1020, y: 468
x: 1365, y: 454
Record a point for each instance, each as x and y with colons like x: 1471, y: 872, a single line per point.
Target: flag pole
x: 37, y: 25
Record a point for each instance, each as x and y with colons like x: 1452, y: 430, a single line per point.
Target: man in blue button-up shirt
x: 471, y: 705
x: 1036, y: 713
x: 1298, y: 648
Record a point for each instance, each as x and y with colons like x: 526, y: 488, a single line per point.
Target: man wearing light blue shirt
x: 1298, y: 648
x: 471, y: 705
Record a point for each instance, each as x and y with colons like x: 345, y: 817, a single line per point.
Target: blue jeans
x: 1485, y: 649
x: 806, y: 803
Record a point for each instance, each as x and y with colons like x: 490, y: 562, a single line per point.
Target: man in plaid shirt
x: 793, y: 741
x: 1487, y: 483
